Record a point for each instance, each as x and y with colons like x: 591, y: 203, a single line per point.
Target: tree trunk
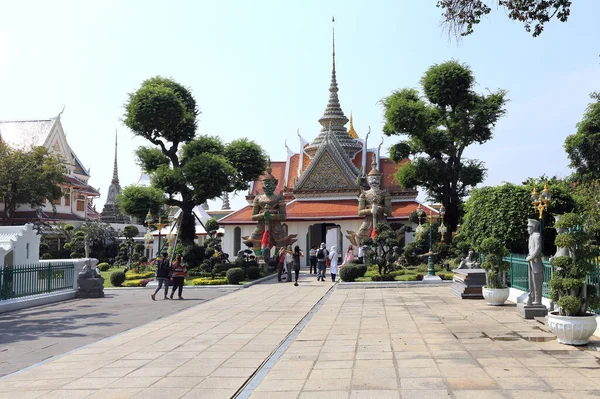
x: 452, y: 216
x: 188, y: 225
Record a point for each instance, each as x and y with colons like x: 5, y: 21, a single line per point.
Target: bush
x: 349, y: 273
x: 117, y: 278
x: 422, y: 268
x: 205, y: 281
x: 138, y: 276
x: 253, y: 272
x: 419, y: 277
x: 396, y: 273
x: 46, y: 256
x: 103, y: 267
x: 131, y: 283
x: 376, y: 277
x: 361, y: 269
x: 387, y: 277
x: 235, y: 275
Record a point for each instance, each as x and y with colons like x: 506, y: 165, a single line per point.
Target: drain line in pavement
x: 256, y: 378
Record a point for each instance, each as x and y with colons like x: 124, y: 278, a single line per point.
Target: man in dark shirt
x: 163, y: 270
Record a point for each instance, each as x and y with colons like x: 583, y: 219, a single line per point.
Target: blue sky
x: 262, y: 69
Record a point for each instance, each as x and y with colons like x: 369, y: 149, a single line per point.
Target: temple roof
x: 332, y: 209
x: 26, y: 134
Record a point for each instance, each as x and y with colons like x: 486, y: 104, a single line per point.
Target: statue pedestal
x: 431, y: 278
x: 90, y: 288
x: 467, y: 283
x: 531, y: 311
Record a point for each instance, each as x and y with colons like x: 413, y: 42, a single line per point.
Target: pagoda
x: 111, y: 212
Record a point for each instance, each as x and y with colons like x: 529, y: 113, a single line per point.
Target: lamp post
x: 540, y: 203
x: 420, y: 230
x: 159, y: 226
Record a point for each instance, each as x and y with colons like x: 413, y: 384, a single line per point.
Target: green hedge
x: 138, y: 276
x: 205, y: 281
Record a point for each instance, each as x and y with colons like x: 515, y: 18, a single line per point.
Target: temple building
x: 322, y: 183
x: 111, y: 212
x: 77, y: 203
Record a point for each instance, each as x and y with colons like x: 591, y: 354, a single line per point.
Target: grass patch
x: 409, y: 274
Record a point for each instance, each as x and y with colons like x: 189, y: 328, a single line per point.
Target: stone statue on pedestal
x: 90, y: 283
x: 375, y: 205
x: 533, y: 307
x: 268, y: 211
x: 470, y: 262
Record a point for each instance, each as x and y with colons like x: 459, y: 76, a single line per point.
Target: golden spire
x: 351, y: 130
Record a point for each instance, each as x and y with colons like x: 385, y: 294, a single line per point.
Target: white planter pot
x: 571, y: 330
x: 495, y: 296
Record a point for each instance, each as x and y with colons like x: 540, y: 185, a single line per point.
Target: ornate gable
x: 329, y: 170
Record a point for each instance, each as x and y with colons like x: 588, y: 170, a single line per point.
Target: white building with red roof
x: 321, y: 185
x: 77, y: 202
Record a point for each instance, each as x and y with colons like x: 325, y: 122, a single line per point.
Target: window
x: 68, y: 199
x: 57, y: 202
x: 80, y: 203
x: 27, y: 250
x: 237, y: 240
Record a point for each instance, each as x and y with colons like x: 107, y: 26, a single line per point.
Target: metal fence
x: 519, y: 271
x: 18, y: 281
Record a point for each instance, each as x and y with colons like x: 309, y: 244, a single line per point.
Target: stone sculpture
x: 374, y: 205
x: 470, y: 262
x: 269, y: 211
x: 533, y: 307
x: 90, y: 283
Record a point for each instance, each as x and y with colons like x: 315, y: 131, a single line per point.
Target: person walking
x: 296, y: 262
x: 162, y: 275
x: 333, y: 265
x: 313, y: 259
x: 361, y: 254
x: 280, y: 263
x: 178, y: 273
x: 289, y: 262
x: 322, y: 254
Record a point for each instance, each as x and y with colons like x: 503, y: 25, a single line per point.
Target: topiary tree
x: 495, y: 268
x: 569, y: 279
x: 117, y: 278
x: 384, y: 249
x: 235, y: 275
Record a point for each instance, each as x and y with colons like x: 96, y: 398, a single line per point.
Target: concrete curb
x: 30, y: 301
x: 258, y: 281
x: 390, y: 284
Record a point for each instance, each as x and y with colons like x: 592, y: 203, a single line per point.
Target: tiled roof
x: 277, y: 170
x: 81, y: 186
x: 322, y: 210
x: 26, y: 134
x: 24, y: 216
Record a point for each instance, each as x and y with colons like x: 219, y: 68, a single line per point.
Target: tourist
x: 313, y: 259
x: 296, y: 260
x: 162, y: 275
x: 322, y: 254
x: 333, y: 265
x: 178, y: 274
x: 280, y: 263
x: 361, y: 254
x: 289, y: 262
x: 349, y: 258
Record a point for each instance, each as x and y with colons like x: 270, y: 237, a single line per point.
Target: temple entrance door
x: 329, y: 233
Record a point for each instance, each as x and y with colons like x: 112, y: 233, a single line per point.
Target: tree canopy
x: 583, y: 147
x: 28, y: 177
x: 439, y: 126
x: 138, y: 200
x: 189, y: 169
x: 461, y: 16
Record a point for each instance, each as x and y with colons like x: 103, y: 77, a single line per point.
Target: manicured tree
x: 439, y: 127
x: 28, y: 177
x: 460, y: 16
x: 583, y: 147
x: 189, y: 169
x: 495, y: 268
x: 136, y: 201
x: 381, y: 249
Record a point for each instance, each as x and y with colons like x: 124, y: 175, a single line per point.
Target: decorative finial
x: 60, y: 113
x: 115, y: 178
x: 351, y: 130
x: 333, y: 41
x: 269, y: 165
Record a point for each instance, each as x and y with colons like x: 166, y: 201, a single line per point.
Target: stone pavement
x: 32, y: 335
x: 408, y: 342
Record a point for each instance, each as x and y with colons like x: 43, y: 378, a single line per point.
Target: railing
x: 18, y: 281
x: 518, y: 274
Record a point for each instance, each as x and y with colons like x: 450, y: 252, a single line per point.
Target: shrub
x: 422, y: 268
x: 131, y: 283
x: 253, y: 272
x: 46, y: 256
x: 143, y: 259
x: 442, y: 276
x: 235, y: 275
x: 361, y: 269
x: 387, y: 277
x: 349, y: 273
x: 103, y: 267
x: 117, y: 278
x: 495, y: 267
x: 396, y: 273
x: 138, y: 276
x: 376, y: 277
x: 419, y: 277
x: 205, y: 281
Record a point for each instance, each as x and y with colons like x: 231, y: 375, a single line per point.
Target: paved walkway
x: 410, y: 342
x: 30, y: 336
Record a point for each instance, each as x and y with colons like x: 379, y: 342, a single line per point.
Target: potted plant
x: 573, y: 324
x: 495, y: 291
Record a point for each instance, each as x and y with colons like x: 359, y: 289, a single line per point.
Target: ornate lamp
x: 442, y: 229
x: 541, y: 200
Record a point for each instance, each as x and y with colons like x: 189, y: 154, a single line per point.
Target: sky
x: 262, y: 69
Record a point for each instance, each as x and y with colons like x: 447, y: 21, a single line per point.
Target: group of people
x: 167, y: 272
x: 321, y: 258
x: 289, y: 260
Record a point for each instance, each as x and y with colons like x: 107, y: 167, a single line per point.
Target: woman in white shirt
x: 333, y: 266
x: 289, y: 262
